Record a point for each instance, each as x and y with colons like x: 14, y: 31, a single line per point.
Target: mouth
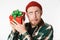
x: 36, y: 19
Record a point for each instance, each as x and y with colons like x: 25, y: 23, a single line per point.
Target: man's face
x: 34, y: 15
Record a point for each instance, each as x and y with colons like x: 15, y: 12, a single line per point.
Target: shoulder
x: 45, y: 27
x: 48, y: 26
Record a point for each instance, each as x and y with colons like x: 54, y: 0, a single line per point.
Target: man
x: 36, y: 29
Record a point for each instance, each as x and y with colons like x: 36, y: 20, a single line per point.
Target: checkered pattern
x: 44, y: 32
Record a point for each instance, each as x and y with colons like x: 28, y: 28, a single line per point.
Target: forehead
x: 33, y: 8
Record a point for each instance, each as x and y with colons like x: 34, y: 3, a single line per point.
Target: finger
x: 23, y: 22
x: 11, y: 24
x: 13, y: 27
x: 15, y: 21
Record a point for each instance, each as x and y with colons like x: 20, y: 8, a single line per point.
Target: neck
x: 39, y: 24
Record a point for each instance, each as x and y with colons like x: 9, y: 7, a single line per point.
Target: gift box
x: 18, y: 16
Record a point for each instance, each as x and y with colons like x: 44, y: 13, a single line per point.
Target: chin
x: 34, y: 23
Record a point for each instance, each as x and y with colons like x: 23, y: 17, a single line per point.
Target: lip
x: 36, y: 19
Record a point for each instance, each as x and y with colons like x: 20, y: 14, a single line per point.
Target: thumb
x: 23, y: 22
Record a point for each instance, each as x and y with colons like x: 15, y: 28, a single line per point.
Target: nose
x: 34, y: 15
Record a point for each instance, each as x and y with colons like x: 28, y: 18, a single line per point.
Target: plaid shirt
x: 43, y: 31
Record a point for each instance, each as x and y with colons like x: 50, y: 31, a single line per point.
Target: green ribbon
x: 16, y: 13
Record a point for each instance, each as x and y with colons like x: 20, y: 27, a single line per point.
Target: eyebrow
x: 30, y: 12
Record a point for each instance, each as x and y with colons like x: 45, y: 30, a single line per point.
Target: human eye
x: 37, y: 12
x: 30, y: 13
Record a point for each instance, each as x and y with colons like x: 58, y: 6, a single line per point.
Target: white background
x: 51, y: 14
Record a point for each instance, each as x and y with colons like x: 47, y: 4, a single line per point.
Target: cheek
x: 30, y: 17
x: 39, y: 17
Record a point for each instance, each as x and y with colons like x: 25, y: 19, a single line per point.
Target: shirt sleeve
x: 24, y: 36
x: 11, y: 35
x: 46, y: 34
x: 49, y: 34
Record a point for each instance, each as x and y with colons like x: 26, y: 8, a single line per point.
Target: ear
x: 26, y: 13
x: 41, y: 13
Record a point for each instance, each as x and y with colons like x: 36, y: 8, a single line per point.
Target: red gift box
x: 18, y: 18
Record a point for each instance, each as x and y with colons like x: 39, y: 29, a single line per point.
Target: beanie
x: 33, y: 3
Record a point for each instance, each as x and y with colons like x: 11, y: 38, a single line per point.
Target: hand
x: 12, y: 27
x: 19, y: 27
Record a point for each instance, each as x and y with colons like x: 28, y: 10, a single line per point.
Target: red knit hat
x: 33, y: 3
